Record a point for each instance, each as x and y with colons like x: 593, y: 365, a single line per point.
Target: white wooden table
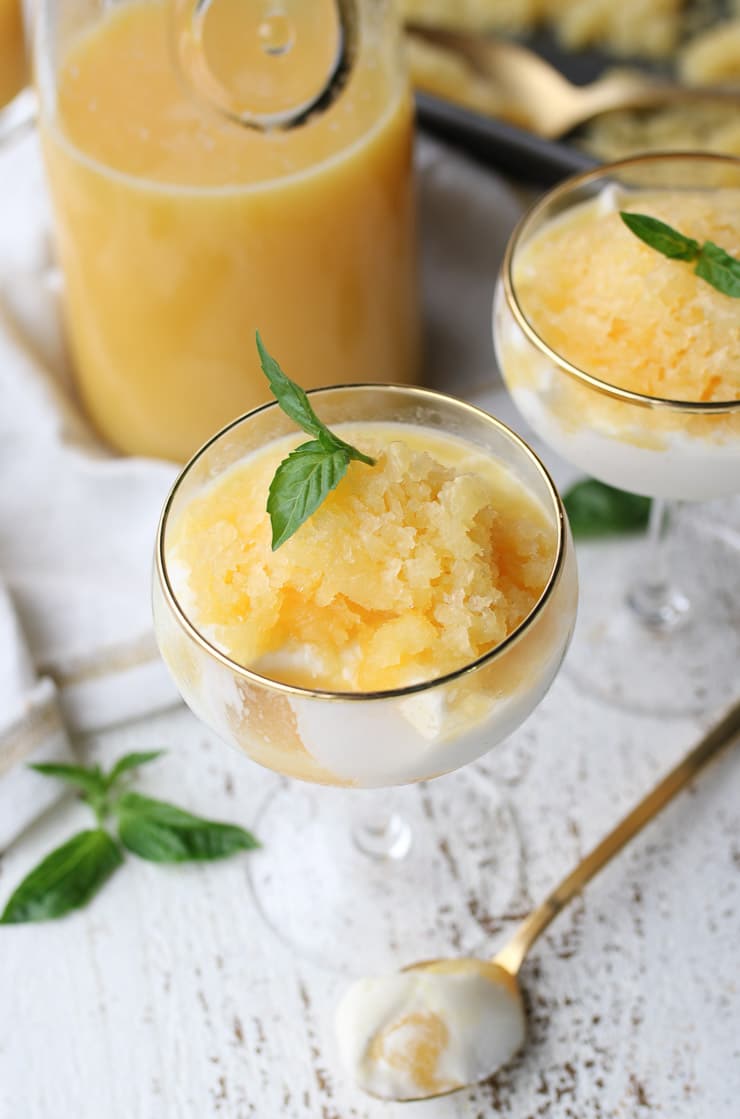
x: 170, y: 997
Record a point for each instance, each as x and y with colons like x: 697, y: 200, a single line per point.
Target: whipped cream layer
x: 681, y: 457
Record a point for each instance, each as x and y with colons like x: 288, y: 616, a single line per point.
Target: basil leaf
x: 595, y: 509
x: 719, y: 269
x: 89, y: 779
x: 311, y: 471
x: 301, y: 482
x: 713, y: 264
x: 131, y: 761
x: 661, y: 237
x: 65, y: 880
x: 291, y: 397
x: 164, y: 833
x: 339, y: 445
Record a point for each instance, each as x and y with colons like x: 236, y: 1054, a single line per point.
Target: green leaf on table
x: 719, y: 269
x: 595, y: 509
x: 89, y: 779
x: 311, y: 471
x: 164, y: 833
x: 65, y: 880
x: 131, y: 761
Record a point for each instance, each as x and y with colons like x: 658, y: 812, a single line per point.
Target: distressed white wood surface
x: 170, y: 998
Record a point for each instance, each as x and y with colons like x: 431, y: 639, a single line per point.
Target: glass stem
x: 379, y: 831
x: 653, y: 598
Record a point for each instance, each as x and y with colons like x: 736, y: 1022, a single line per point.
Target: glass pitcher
x: 182, y: 231
x: 13, y: 68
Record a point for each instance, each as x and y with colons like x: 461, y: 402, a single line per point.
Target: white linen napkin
x: 77, y: 523
x: 31, y: 730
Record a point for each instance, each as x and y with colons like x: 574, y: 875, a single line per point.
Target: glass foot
x: 352, y: 911
x: 661, y: 650
x: 387, y: 835
x: 659, y: 607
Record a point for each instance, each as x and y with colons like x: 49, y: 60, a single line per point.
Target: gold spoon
x: 395, y: 1032
x: 505, y: 78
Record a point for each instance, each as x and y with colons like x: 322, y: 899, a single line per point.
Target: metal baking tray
x: 520, y: 153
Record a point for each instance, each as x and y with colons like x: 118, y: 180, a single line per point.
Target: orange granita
x: 410, y: 569
x: 622, y: 311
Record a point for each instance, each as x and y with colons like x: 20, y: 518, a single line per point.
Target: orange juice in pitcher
x: 181, y: 230
x: 12, y: 50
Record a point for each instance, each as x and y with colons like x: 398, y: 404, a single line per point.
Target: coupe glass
x: 668, y: 641
x: 374, y: 739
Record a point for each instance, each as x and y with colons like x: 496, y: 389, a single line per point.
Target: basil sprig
x: 595, y: 509
x: 66, y: 879
x: 712, y: 263
x: 163, y: 833
x: 311, y: 471
x: 70, y: 876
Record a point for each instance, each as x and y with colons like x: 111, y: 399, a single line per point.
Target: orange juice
x: 12, y: 53
x: 181, y: 232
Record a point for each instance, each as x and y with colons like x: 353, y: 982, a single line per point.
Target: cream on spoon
x: 440, y: 1025
x: 431, y: 1029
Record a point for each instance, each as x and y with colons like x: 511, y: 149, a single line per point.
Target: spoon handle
x: 723, y: 734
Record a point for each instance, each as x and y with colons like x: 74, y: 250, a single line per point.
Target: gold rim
x: 642, y: 400
x: 265, y: 681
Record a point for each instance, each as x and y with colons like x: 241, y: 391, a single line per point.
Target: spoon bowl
x: 431, y: 1029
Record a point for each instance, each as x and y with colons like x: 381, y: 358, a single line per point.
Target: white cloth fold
x: 77, y: 523
x: 31, y: 730
x: 76, y: 537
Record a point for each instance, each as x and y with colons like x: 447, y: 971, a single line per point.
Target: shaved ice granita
x: 408, y: 571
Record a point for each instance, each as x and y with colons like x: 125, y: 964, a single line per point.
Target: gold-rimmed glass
x: 364, y: 740
x: 671, y: 450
